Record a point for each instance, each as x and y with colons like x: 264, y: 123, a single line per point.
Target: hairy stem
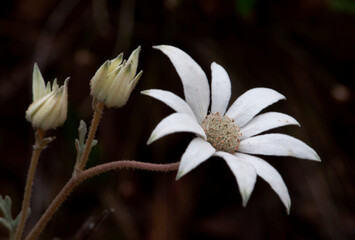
x: 98, y: 109
x: 91, y: 172
x: 37, y: 149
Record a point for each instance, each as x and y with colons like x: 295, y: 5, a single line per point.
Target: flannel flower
x: 114, y: 81
x: 232, y: 134
x: 49, y: 107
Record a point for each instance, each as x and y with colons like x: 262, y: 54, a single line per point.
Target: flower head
x: 49, y: 107
x: 233, y: 134
x: 114, y: 81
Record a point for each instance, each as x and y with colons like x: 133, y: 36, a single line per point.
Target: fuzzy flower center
x: 222, y: 132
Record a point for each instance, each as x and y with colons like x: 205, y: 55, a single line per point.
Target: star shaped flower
x: 231, y: 134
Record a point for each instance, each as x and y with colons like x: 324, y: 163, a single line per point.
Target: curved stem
x: 82, y: 176
x: 37, y: 149
x: 98, y: 109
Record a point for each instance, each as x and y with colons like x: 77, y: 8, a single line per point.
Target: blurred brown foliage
x: 304, y: 49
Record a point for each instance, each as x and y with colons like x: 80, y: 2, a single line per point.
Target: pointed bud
x: 49, y: 110
x: 114, y: 81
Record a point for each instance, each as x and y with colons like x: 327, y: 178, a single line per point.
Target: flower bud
x: 114, y: 81
x: 49, y: 107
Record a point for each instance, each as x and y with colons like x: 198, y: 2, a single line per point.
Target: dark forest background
x: 304, y: 49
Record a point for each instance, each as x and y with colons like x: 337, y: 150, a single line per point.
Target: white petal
x: 221, y: 89
x: 194, y: 80
x: 266, y: 121
x: 176, y: 122
x: 278, y: 145
x: 170, y: 99
x: 271, y: 176
x: 251, y: 103
x: 244, y: 173
x: 196, y: 153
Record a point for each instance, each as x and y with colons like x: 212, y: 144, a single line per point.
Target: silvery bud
x: 49, y: 107
x: 114, y: 81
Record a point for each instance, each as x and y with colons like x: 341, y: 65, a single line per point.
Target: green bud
x: 114, y: 81
x: 49, y: 107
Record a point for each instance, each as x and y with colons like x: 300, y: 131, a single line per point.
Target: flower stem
x: 37, y: 149
x: 91, y: 172
x: 98, y: 109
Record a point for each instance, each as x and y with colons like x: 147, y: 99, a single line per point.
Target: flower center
x: 222, y: 132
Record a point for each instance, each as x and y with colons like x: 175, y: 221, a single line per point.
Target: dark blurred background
x: 304, y: 49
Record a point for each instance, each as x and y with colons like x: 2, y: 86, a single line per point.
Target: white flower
x: 231, y: 135
x: 49, y: 107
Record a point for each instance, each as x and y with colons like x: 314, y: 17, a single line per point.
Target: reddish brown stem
x: 98, y: 108
x: 82, y: 176
x: 37, y: 149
